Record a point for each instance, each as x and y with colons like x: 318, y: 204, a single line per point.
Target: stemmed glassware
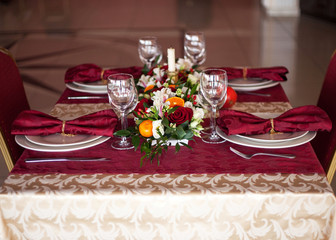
x: 122, y: 93
x: 213, y: 86
x: 149, y: 51
x: 194, y: 47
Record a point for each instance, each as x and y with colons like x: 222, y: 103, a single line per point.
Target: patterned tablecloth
x: 224, y: 205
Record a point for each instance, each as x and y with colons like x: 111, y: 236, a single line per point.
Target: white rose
x: 198, y: 113
x: 157, y: 127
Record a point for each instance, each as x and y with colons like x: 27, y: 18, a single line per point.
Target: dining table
x: 206, y: 192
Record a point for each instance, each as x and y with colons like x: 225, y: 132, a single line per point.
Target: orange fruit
x: 149, y: 87
x: 175, y: 101
x: 146, y: 128
x: 231, y: 97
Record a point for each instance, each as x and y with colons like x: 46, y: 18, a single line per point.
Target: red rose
x: 141, y: 106
x: 180, y: 115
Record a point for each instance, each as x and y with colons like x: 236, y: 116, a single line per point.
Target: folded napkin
x: 305, y: 118
x: 92, y: 73
x: 270, y: 73
x: 33, y: 122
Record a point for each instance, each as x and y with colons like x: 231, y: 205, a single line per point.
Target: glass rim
x: 123, y: 76
x: 214, y: 69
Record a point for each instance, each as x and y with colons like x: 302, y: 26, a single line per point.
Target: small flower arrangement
x: 168, y: 110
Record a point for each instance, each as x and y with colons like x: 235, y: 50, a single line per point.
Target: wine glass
x: 149, y: 51
x: 194, y: 47
x: 213, y: 86
x: 121, y: 92
x: 206, y: 105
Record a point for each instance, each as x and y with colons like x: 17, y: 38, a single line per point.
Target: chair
x: 324, y: 143
x: 13, y: 100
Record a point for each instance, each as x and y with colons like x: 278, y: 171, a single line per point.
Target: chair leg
x: 5, y: 153
x: 332, y: 169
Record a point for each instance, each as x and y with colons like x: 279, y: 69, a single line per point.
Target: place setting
x: 245, y: 79
x: 38, y: 131
x: 292, y: 128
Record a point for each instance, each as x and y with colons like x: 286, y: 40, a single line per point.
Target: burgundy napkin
x: 270, y: 73
x: 305, y: 118
x: 33, y: 122
x: 92, y: 73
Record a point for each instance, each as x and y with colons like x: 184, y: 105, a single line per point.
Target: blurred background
x: 47, y: 37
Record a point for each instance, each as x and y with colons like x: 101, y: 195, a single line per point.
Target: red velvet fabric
x: 91, y: 73
x: 277, y: 73
x: 13, y: 100
x: 305, y: 118
x: 203, y: 158
x: 33, y: 122
x: 324, y: 143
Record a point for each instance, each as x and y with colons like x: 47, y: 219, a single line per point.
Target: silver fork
x: 247, y: 156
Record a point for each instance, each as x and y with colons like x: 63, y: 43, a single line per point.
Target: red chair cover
x: 324, y: 143
x: 13, y: 100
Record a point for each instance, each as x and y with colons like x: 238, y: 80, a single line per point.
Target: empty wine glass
x: 206, y: 105
x: 194, y: 47
x: 213, y: 86
x: 149, y: 51
x: 121, y: 92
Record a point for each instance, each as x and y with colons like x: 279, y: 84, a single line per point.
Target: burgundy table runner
x: 204, y: 158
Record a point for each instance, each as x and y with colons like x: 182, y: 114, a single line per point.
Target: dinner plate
x: 99, y: 85
x: 24, y: 142
x: 271, y: 145
x: 59, y: 140
x: 85, y: 89
x: 277, y: 137
x: 254, y: 88
x: 248, y: 82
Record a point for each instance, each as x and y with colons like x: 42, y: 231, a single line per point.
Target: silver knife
x: 88, y: 97
x: 37, y: 160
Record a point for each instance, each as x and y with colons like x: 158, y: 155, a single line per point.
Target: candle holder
x: 173, y: 76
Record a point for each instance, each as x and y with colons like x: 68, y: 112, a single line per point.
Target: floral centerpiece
x: 168, y: 112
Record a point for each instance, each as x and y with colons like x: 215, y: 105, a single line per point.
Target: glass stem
x: 213, y: 120
x: 123, y: 124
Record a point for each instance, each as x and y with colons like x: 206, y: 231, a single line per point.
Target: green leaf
x: 177, y: 147
x: 122, y: 133
x: 136, y: 141
x: 193, y: 90
x: 189, y: 134
x: 180, y: 132
x: 186, y: 145
x: 165, y: 122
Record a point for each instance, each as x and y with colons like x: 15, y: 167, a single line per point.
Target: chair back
x: 13, y: 100
x: 324, y: 143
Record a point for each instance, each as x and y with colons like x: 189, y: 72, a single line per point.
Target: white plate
x: 98, y: 85
x: 77, y: 88
x: 248, y: 82
x: 278, y: 137
x: 271, y: 145
x: 254, y: 88
x: 24, y: 142
x: 59, y: 140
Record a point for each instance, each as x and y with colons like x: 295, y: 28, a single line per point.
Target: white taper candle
x: 171, y: 59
